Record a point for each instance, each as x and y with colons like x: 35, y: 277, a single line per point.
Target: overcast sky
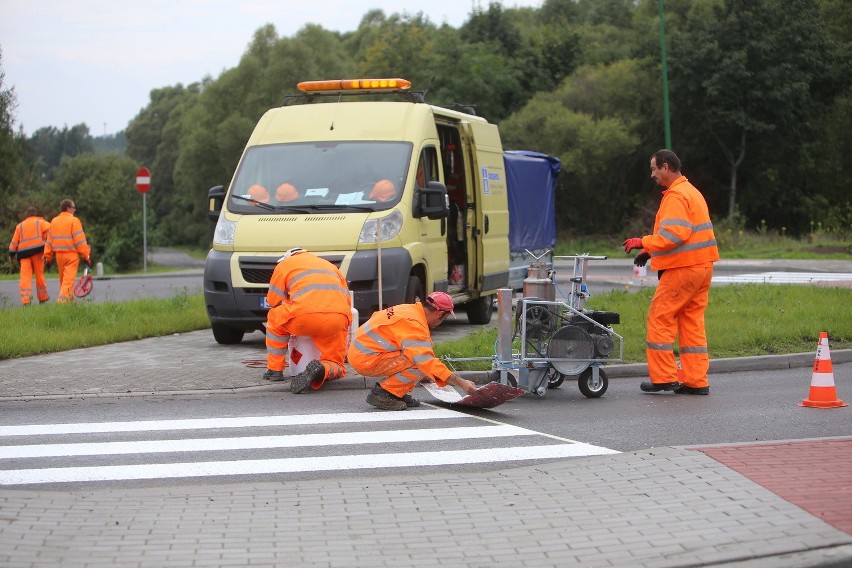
x: 96, y: 62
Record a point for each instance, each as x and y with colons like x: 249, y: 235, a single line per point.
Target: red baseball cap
x: 441, y: 301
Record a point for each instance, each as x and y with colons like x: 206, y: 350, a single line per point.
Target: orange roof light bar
x: 354, y: 85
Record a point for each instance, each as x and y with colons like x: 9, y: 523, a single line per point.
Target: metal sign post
x: 143, y: 183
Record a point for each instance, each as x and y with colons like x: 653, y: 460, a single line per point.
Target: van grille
x: 258, y: 270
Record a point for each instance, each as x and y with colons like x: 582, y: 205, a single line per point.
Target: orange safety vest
x: 402, y: 329
x: 683, y: 233
x: 307, y: 284
x: 30, y: 237
x: 66, y: 235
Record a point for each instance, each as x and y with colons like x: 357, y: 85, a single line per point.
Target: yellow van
x: 404, y: 197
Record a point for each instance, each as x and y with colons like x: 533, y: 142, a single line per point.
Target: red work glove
x: 88, y: 262
x: 642, y: 258
x: 632, y: 243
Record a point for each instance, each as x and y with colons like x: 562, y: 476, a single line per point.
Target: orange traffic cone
x: 823, y: 394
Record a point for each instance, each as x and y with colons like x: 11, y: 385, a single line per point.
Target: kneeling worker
x: 396, y: 344
x: 309, y: 297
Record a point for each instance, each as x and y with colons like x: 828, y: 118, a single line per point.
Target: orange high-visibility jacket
x: 30, y: 237
x: 307, y: 284
x: 401, y: 329
x: 683, y: 233
x: 66, y: 235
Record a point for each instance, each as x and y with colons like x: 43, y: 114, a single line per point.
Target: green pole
x: 666, y: 121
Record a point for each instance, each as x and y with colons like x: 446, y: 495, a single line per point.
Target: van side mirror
x: 432, y: 201
x: 215, y: 200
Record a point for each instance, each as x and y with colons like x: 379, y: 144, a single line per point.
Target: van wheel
x: 225, y: 335
x: 414, y: 290
x: 479, y: 311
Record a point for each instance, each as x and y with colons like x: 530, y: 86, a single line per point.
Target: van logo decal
x: 488, y: 177
x: 277, y: 219
x: 326, y: 218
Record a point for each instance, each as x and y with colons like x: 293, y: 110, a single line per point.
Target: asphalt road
x: 743, y: 407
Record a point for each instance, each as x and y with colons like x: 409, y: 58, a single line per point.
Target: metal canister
x: 538, y: 284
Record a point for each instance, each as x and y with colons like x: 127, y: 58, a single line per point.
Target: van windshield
x: 306, y: 177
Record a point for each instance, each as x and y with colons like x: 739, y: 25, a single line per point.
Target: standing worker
x: 682, y: 249
x: 27, y: 245
x: 396, y: 344
x: 309, y: 297
x: 67, y: 243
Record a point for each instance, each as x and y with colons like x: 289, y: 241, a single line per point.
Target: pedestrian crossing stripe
x: 239, y: 422
x: 260, y: 442
x: 293, y: 465
x: 493, y: 429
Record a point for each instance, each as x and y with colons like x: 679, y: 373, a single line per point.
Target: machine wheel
x: 414, y: 290
x: 494, y: 377
x: 584, y: 382
x: 225, y: 335
x: 479, y: 311
x: 554, y: 378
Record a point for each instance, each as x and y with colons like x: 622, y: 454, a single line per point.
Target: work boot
x: 648, y: 386
x: 46, y: 300
x: 269, y: 375
x: 385, y: 400
x: 683, y: 389
x: 410, y: 401
x: 313, y: 372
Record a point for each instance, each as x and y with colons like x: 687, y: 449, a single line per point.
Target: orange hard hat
x: 286, y: 192
x: 258, y: 193
x: 383, y: 190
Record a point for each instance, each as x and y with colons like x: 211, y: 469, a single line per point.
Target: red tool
x: 83, y: 286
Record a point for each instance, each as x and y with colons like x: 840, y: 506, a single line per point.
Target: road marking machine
x: 549, y: 340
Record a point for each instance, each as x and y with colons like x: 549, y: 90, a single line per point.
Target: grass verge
x: 32, y: 330
x: 741, y: 320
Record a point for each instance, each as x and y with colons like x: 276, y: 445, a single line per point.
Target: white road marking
x: 240, y: 422
x: 290, y: 465
x: 784, y: 278
x: 261, y: 442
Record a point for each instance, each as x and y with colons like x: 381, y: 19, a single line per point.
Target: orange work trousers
x: 329, y: 333
x: 66, y: 263
x: 400, y: 373
x: 677, y: 312
x: 32, y: 266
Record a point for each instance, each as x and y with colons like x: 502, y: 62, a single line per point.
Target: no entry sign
x: 143, y: 180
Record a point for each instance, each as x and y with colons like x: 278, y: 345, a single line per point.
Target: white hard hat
x: 291, y: 252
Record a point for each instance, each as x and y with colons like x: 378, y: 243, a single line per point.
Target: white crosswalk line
x: 291, y: 465
x: 260, y: 442
x: 23, y: 466
x: 241, y: 422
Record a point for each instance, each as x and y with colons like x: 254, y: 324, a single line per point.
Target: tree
x: 747, y: 74
x: 108, y: 204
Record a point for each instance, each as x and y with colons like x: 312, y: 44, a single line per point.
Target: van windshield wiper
x: 340, y: 207
x: 256, y: 202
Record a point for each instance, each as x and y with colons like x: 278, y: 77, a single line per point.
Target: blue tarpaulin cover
x: 531, y: 182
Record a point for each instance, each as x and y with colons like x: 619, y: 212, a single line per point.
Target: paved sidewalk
x: 660, y: 507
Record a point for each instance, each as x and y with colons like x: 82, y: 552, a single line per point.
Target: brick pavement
x: 816, y: 475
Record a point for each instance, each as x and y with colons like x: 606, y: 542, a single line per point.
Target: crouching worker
x: 396, y: 344
x: 308, y: 297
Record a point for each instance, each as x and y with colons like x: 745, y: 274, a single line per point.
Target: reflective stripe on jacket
x: 401, y: 329
x: 683, y: 233
x: 66, y: 235
x: 307, y: 284
x: 30, y: 237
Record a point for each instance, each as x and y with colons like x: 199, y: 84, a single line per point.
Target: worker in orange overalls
x: 396, y: 344
x: 682, y: 249
x: 66, y: 243
x: 27, y: 245
x: 309, y: 297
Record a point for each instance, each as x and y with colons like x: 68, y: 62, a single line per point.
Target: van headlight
x: 224, y: 233
x: 391, y: 225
